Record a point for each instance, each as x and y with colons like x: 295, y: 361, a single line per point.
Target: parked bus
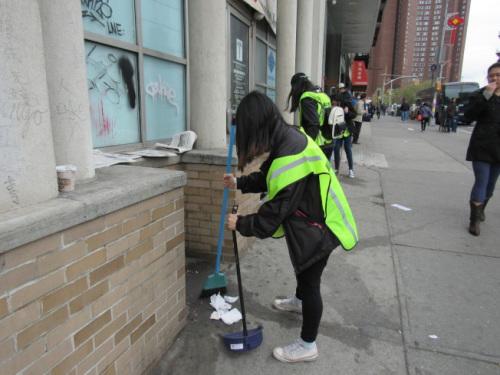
x: 461, y: 91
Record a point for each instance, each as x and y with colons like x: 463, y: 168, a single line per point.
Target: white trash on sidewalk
x: 223, y: 309
x: 401, y: 207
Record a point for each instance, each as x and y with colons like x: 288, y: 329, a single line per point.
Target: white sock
x: 307, y: 345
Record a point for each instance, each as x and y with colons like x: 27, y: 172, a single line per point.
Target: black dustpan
x: 245, y: 340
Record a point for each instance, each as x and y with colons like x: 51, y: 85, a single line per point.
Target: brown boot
x: 475, y: 213
x: 483, y: 206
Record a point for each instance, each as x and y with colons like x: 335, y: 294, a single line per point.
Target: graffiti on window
x: 109, y: 86
x: 101, y: 11
x: 111, y: 78
x: 160, y: 89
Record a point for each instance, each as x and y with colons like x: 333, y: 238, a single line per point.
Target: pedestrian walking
x: 344, y: 95
x: 360, y: 110
x: 484, y: 145
x: 343, y: 127
x: 311, y: 212
x: 405, y: 110
x: 425, y: 113
x: 377, y: 111
x: 451, y: 113
x: 313, y: 107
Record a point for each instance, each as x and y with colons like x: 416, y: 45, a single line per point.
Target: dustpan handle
x: 238, y: 274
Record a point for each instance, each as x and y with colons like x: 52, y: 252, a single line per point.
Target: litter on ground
x: 401, y: 207
x: 223, y: 309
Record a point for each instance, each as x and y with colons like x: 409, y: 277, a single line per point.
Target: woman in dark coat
x: 484, y: 146
x: 296, y: 208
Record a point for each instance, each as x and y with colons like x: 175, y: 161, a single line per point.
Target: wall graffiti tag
x: 160, y: 89
x: 106, y: 83
x: 10, y: 185
x: 111, y: 80
x: 22, y: 106
x: 100, y: 11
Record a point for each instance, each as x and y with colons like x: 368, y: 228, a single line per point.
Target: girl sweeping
x: 305, y: 203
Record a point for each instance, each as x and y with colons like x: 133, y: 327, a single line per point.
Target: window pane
x: 260, y: 62
x: 165, y: 98
x: 272, y: 38
x: 261, y: 29
x: 163, y: 25
x: 114, y: 104
x: 271, y: 67
x: 111, y: 18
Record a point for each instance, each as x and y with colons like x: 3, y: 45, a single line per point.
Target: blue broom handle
x: 225, y: 196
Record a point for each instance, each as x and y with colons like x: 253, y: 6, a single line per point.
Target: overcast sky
x: 482, y: 40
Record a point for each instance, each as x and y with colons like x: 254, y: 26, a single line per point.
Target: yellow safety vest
x: 287, y: 170
x: 322, y: 103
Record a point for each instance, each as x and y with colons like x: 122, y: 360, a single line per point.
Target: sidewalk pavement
x: 418, y: 295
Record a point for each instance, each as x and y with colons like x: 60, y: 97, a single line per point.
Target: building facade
x: 418, y: 31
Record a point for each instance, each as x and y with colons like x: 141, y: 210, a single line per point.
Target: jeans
x: 348, y: 151
x: 308, y: 290
x: 405, y: 115
x: 486, y: 175
x: 452, y: 124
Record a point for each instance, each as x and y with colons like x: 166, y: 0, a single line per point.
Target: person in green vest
x: 304, y: 202
x: 313, y: 108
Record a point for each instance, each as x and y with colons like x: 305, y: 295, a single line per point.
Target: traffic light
x: 438, y: 86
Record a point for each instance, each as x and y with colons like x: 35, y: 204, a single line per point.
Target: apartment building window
x: 136, y: 69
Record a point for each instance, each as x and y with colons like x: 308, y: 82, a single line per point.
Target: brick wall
x: 103, y: 297
x: 203, y: 200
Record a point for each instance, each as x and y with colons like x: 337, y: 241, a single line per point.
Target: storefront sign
x: 239, y: 61
x: 359, y: 74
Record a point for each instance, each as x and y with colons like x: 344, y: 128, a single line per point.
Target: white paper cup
x: 66, y: 177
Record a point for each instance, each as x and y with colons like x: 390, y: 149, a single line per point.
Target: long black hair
x: 300, y: 84
x: 256, y: 119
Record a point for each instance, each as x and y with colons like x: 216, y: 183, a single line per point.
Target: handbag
x: 420, y: 117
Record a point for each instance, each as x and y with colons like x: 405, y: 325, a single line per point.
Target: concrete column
x: 27, y: 163
x: 286, y: 34
x: 67, y: 83
x: 208, y: 74
x: 318, y: 42
x: 305, y: 13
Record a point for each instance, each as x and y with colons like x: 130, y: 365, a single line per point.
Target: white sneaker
x: 292, y: 304
x: 296, y: 352
x: 351, y: 173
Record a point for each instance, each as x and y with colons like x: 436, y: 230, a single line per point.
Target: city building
x: 418, y: 30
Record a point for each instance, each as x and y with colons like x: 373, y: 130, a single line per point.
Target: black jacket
x: 308, y: 238
x: 484, y: 142
x: 310, y: 120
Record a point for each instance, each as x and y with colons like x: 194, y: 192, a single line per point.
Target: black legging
x: 423, y: 123
x: 308, y: 290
